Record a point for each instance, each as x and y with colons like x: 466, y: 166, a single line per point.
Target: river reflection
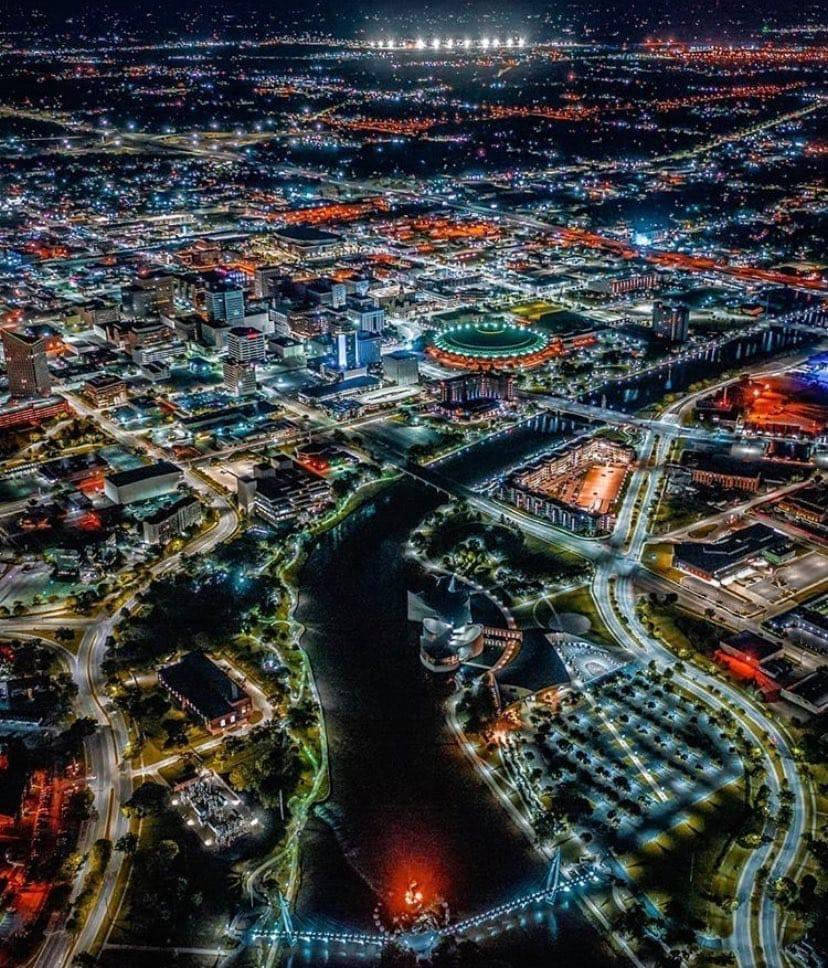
x: 404, y: 801
x: 632, y: 394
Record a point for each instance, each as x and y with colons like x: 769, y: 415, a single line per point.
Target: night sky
x: 608, y: 21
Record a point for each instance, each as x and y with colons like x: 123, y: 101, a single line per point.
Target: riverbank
x: 403, y: 803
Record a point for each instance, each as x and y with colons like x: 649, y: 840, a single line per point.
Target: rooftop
x: 306, y: 235
x: 715, y: 557
x: 207, y: 687
x: 813, y: 688
x: 536, y: 666
x: 752, y: 646
x: 145, y: 473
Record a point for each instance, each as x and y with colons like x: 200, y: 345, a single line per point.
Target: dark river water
x: 405, y: 803
x: 634, y: 393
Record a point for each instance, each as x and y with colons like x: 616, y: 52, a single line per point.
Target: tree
x: 127, y: 844
x: 547, y: 826
x: 634, y: 922
x: 301, y: 717
x: 149, y: 800
x: 394, y: 956
x: 73, y: 737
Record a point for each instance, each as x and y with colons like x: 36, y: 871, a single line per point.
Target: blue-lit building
x: 224, y: 300
x: 357, y: 350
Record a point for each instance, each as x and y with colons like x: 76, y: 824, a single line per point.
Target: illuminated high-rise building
x: 671, y: 321
x: 26, y: 364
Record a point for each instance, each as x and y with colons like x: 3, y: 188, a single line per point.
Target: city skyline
x: 413, y: 507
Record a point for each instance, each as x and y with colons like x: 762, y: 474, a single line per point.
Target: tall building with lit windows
x: 26, y: 364
x: 240, y: 378
x: 246, y: 345
x: 671, y: 321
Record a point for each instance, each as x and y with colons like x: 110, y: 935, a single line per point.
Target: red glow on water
x: 414, y: 887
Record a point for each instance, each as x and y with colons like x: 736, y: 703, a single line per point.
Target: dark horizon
x: 613, y: 22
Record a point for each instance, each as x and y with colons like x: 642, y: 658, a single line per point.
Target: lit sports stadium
x: 493, y: 344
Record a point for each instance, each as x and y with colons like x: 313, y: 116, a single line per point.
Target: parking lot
x: 640, y: 752
x: 766, y: 586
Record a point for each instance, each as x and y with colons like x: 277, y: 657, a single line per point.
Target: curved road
x: 635, y: 637
x: 109, y: 775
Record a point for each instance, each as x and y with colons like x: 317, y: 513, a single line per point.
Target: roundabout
x: 494, y: 344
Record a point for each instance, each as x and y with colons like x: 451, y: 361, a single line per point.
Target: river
x: 405, y: 803
x: 634, y: 393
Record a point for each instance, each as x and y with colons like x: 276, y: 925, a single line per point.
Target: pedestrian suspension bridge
x: 288, y: 932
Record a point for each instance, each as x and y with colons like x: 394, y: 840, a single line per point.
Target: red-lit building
x: 33, y: 412
x: 747, y: 656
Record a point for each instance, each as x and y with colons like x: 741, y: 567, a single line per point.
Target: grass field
x: 696, y: 865
x: 580, y: 600
x: 681, y: 630
x: 658, y: 557
x: 532, y: 311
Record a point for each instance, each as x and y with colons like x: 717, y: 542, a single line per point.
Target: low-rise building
x: 717, y: 470
x: 99, y: 314
x: 19, y: 413
x: 716, y: 560
x: 285, y: 491
x: 286, y: 348
x: 808, y: 505
x: 169, y: 521
x: 475, y: 392
x: 204, y: 689
x: 105, y: 390
x: 306, y: 240
x: 576, y: 488
x: 807, y: 623
x: 142, y: 483
x: 810, y: 693
x: 322, y: 393
x: 751, y: 648
x: 629, y: 282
